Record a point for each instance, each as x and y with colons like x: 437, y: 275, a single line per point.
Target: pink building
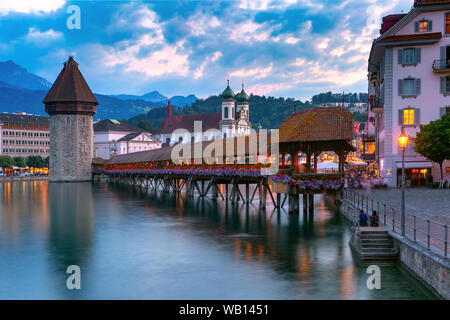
x: 409, y: 84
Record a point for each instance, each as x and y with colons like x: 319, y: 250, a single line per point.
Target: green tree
x: 46, y: 162
x: 433, y: 141
x: 6, y: 162
x: 145, y: 125
x: 19, y: 162
x: 35, y: 161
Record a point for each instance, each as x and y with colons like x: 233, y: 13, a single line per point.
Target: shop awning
x: 415, y: 164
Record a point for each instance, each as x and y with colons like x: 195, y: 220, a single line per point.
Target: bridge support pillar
x: 278, y: 201
x: 247, y: 193
x: 293, y: 203
x: 311, y: 203
x: 305, y: 203
x: 214, y: 192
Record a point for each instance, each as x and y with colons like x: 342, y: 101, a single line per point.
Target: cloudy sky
x: 289, y: 48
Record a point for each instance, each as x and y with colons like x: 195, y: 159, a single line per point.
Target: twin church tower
x: 235, y: 119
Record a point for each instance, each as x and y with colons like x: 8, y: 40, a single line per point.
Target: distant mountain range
x: 14, y: 75
x: 21, y: 91
x: 157, y: 98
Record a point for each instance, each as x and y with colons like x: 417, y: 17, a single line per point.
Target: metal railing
x: 428, y: 233
x: 441, y: 65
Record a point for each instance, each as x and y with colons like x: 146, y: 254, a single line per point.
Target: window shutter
x: 417, y: 116
x: 400, y: 87
x: 417, y: 86
x: 418, y: 55
x: 442, y: 84
x: 441, y: 112
x: 430, y: 25
x: 443, y: 58
x: 400, y: 117
x: 400, y: 56
x: 416, y: 26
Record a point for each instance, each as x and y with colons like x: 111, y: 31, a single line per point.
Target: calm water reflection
x: 158, y: 246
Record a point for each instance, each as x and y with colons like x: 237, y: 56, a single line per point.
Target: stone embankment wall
x: 429, y: 268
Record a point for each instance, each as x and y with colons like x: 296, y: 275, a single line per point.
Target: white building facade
x: 114, y: 137
x: 409, y: 85
x: 23, y: 135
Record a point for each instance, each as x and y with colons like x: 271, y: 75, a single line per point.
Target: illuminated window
x: 423, y: 25
x: 447, y: 23
x: 408, y: 116
x: 369, y: 148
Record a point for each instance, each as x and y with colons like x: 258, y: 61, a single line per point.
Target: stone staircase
x: 374, y: 245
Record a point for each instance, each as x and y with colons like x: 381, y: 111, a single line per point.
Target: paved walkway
x: 424, y: 204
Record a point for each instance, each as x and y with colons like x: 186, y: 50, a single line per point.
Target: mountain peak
x: 14, y: 75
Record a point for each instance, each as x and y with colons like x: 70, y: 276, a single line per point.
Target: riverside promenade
x: 421, y: 205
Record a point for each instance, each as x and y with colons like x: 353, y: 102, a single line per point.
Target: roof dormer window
x: 423, y: 25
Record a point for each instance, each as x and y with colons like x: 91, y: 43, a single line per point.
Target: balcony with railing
x: 376, y: 105
x: 441, y: 66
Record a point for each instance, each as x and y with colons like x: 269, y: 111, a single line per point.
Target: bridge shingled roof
x: 165, y: 153
x: 317, y: 124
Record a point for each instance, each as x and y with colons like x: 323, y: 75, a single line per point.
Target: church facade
x: 232, y: 121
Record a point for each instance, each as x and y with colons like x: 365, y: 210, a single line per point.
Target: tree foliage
x: 145, y: 125
x: 433, y: 141
x: 6, y: 162
x: 337, y: 97
x: 19, y: 162
x: 35, y: 161
x: 267, y: 111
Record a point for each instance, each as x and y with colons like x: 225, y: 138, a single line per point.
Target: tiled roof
x: 430, y: 2
x: 389, y: 21
x: 23, y: 118
x: 116, y: 126
x: 317, y: 124
x: 411, y: 37
x: 133, y: 135
x: 186, y: 121
x: 70, y: 86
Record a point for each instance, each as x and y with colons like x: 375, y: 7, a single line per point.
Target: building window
x: 409, y: 117
x: 424, y: 25
x: 409, y: 87
x: 445, y: 85
x: 409, y: 56
x: 443, y: 111
x: 225, y: 113
x: 447, y: 23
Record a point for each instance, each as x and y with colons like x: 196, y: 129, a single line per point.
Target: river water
x: 135, y: 245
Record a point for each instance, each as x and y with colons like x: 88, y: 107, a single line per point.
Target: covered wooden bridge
x: 224, y: 165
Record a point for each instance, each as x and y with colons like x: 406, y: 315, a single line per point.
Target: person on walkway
x: 374, y: 220
x: 363, y: 219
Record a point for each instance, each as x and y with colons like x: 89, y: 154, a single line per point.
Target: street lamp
x: 402, y: 141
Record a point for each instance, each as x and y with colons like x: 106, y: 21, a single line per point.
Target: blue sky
x: 289, y: 48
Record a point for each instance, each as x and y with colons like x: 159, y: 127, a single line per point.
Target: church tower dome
x: 242, y: 97
x: 228, y: 94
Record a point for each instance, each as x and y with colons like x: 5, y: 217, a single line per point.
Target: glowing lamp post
x: 403, y: 141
